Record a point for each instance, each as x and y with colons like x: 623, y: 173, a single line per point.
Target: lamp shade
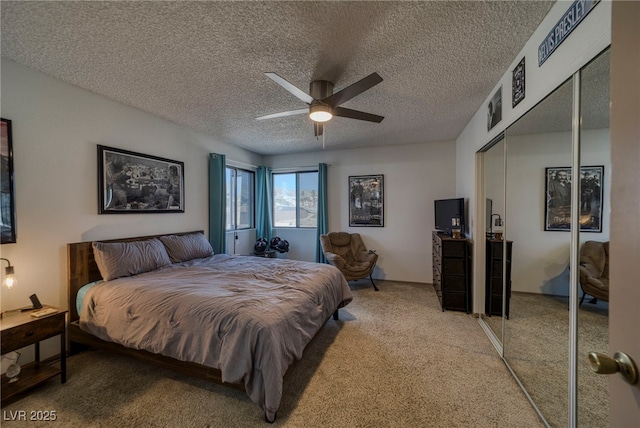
x: 320, y: 113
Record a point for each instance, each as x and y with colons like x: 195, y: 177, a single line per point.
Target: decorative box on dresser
x: 20, y: 329
x: 452, y: 272
x: 493, y: 290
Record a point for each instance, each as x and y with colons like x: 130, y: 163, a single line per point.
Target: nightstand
x: 20, y: 329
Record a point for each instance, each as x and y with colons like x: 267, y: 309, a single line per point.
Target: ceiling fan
x: 324, y: 104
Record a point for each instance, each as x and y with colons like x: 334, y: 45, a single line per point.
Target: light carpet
x: 537, y: 348
x: 394, y: 359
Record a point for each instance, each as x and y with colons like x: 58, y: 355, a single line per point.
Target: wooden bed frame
x: 82, y: 269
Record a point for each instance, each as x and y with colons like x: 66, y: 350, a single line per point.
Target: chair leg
x: 374, y: 284
x: 582, y: 299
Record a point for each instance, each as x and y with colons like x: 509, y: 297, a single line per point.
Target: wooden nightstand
x: 20, y: 329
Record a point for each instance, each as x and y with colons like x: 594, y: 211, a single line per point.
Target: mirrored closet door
x: 593, y: 307
x: 549, y: 321
x: 494, y: 187
x: 538, y: 204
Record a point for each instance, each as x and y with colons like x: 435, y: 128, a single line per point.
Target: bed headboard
x: 82, y: 268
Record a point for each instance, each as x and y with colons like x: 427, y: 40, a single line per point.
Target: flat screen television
x: 445, y: 210
x: 489, y: 212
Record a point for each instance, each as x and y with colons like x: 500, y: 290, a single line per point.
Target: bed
x: 237, y: 320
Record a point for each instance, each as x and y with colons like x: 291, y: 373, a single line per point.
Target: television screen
x: 489, y: 208
x: 445, y: 210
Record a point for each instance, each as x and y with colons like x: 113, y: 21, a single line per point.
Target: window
x: 295, y: 199
x: 240, y: 197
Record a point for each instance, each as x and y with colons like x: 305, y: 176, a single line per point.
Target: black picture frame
x: 366, y: 200
x: 130, y: 182
x: 518, y: 83
x: 7, y: 184
x: 494, y: 109
x: 558, y: 182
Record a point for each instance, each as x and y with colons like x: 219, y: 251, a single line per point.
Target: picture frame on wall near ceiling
x: 494, y: 109
x: 130, y: 182
x: 518, y: 83
x: 366, y: 200
x: 7, y: 184
x: 558, y: 182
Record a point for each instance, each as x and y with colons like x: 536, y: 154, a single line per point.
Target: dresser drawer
x: 26, y: 334
x: 454, y: 267
x: 454, y: 283
x: 455, y: 248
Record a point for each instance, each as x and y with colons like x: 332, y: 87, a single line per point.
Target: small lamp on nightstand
x: 9, y: 275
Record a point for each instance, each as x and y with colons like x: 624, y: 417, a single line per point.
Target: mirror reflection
x: 536, y: 334
x: 494, y: 185
x: 595, y: 170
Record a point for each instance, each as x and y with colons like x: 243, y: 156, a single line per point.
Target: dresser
x: 494, y: 277
x: 452, y: 272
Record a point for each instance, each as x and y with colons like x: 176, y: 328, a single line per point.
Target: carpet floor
x: 537, y: 348
x: 394, y: 359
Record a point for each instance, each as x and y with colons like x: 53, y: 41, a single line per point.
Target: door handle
x: 621, y: 362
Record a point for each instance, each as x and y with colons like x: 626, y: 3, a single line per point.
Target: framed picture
x: 366, y: 200
x: 518, y: 83
x: 132, y: 182
x: 7, y: 184
x: 558, y: 194
x: 494, y: 109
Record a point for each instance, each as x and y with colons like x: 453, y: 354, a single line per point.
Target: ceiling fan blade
x: 299, y: 93
x: 351, y: 91
x: 284, y: 113
x: 355, y: 114
x: 318, y: 129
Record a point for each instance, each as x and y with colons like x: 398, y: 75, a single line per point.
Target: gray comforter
x: 249, y: 317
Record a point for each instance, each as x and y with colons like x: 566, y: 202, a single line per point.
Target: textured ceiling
x: 202, y: 64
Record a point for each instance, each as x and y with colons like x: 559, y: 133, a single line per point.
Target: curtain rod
x: 240, y: 164
x: 297, y: 168
x: 291, y: 168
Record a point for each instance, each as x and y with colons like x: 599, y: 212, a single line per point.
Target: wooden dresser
x: 452, y: 272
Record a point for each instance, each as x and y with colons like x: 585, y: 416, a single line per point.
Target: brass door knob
x: 621, y: 362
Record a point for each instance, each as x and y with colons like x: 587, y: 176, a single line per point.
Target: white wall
x: 414, y: 176
x: 56, y: 128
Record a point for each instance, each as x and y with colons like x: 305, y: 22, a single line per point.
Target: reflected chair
x: 347, y: 252
x: 594, y: 270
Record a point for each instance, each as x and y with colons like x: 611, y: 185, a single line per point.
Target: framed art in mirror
x: 8, y: 200
x: 558, y: 193
x: 366, y: 200
x: 130, y: 182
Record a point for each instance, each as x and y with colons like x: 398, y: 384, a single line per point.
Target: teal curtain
x: 321, y: 229
x: 264, y: 204
x: 217, y: 203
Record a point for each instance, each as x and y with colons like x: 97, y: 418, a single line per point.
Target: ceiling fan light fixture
x: 320, y: 113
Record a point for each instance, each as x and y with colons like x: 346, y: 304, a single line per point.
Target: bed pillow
x: 118, y: 259
x: 182, y: 248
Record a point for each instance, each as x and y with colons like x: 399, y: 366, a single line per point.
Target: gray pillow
x: 182, y: 248
x: 118, y: 259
